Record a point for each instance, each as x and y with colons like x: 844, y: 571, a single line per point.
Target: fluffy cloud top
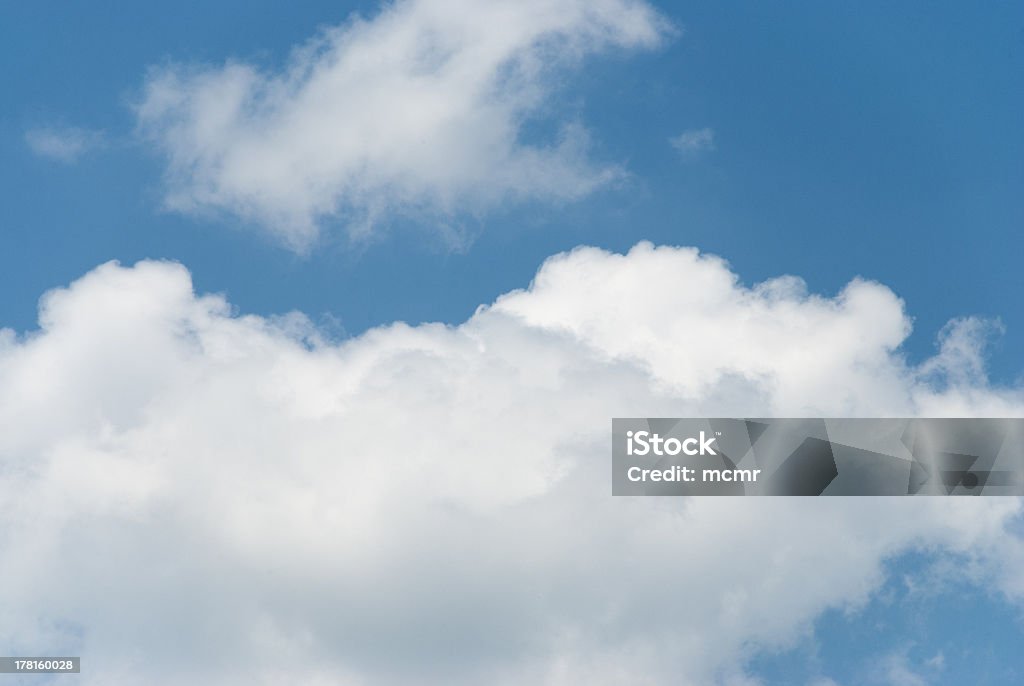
x: 431, y: 504
x: 419, y: 110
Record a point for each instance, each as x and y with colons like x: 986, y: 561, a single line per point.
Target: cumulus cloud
x: 419, y: 110
x: 193, y: 495
x: 694, y: 141
x: 62, y: 144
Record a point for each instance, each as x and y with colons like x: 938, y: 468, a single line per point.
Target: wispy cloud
x: 694, y: 141
x: 897, y: 670
x: 63, y: 144
x: 415, y: 111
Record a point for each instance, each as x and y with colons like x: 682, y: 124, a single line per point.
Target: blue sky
x: 849, y: 141
x: 828, y: 140
x: 925, y: 626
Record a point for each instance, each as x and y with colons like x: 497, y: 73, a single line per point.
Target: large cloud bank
x: 418, y: 111
x: 188, y: 495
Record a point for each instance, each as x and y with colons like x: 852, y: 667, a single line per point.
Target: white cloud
x: 63, y: 144
x: 419, y: 110
x: 897, y: 671
x: 694, y: 141
x: 936, y: 661
x: 190, y: 495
